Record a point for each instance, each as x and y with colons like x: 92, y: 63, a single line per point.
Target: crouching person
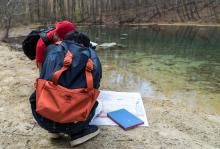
x: 66, y: 91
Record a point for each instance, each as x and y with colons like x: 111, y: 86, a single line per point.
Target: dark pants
x: 54, y: 127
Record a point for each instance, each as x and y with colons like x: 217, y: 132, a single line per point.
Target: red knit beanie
x: 64, y: 27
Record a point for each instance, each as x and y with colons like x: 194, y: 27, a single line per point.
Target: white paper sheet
x: 111, y: 101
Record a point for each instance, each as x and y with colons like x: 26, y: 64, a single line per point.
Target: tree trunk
x: 7, y: 28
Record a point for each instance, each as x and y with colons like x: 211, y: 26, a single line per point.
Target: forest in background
x: 16, y: 12
x: 110, y: 11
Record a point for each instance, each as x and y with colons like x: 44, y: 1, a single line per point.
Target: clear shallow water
x: 177, y: 63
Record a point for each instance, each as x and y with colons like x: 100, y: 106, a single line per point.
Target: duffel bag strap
x: 67, y: 62
x: 89, y: 77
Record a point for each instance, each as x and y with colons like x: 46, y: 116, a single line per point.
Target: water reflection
x: 178, y: 63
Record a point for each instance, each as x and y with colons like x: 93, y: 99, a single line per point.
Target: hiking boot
x: 87, y: 133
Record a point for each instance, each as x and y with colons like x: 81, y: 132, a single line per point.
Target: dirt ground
x: 170, y: 126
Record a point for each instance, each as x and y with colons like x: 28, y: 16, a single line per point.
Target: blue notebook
x: 125, y: 119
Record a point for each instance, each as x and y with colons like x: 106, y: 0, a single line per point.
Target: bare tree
x: 9, y: 10
x: 113, y: 11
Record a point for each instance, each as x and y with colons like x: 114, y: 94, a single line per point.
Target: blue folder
x: 125, y: 119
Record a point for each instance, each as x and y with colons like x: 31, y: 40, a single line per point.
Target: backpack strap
x: 89, y: 77
x: 67, y: 62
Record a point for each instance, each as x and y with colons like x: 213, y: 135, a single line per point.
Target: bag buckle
x: 68, y: 59
x: 89, y: 68
x: 67, y: 62
x: 89, y: 65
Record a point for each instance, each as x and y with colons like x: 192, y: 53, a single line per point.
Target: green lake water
x: 181, y: 64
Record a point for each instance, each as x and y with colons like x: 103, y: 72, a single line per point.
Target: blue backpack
x: 74, y: 77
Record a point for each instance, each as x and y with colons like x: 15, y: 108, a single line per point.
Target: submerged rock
x: 122, y: 46
x: 107, y: 45
x: 112, y: 45
x: 122, y: 38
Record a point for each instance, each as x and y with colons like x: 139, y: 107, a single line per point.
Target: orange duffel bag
x: 64, y: 105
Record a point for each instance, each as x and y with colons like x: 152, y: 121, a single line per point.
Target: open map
x: 111, y: 101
